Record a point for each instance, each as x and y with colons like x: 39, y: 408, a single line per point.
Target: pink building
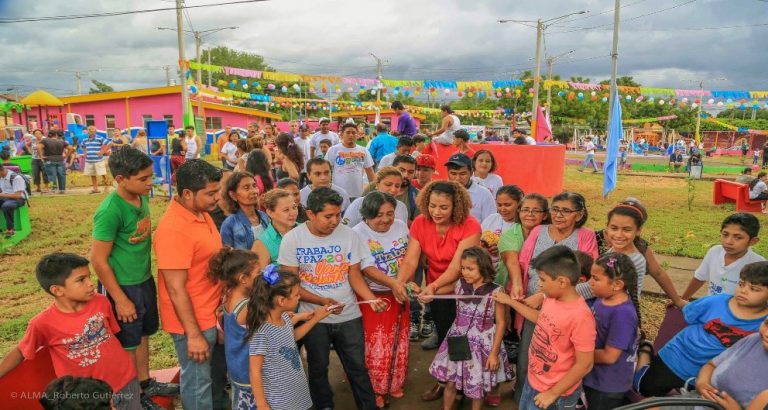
x: 126, y: 109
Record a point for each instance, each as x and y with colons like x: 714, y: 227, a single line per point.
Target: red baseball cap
x: 426, y: 160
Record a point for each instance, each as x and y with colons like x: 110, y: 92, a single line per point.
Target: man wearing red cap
x: 425, y: 168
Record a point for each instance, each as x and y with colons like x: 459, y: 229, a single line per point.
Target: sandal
x: 95, y: 191
x: 493, y: 400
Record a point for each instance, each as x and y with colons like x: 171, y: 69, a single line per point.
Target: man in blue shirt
x: 94, y: 158
x: 382, y: 144
x: 405, y: 123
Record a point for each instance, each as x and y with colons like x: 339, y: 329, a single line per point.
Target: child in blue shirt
x: 714, y: 323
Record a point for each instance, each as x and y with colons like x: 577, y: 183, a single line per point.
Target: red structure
x: 534, y: 168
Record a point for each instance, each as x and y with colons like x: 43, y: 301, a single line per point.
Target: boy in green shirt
x: 121, y: 257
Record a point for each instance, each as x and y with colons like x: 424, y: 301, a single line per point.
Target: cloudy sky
x: 663, y: 43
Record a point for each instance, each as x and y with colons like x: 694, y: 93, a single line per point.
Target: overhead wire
x: 11, y: 20
x: 576, y: 29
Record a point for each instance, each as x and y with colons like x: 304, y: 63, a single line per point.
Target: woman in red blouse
x: 444, y: 229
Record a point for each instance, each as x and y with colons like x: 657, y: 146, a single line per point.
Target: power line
x: 690, y: 28
x: 626, y: 20
x: 589, y: 16
x: 118, y: 13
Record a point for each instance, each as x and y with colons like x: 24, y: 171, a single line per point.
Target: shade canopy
x: 41, y: 98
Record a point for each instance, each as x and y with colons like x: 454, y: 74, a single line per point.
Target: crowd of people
x: 302, y: 243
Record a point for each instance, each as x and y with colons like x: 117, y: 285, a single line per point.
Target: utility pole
x: 535, y: 103
x: 541, y: 26
x: 199, y: 61
x: 550, y: 62
x: 167, y: 69
x: 78, y: 77
x: 379, y: 64
x: 209, y: 71
x: 182, y: 58
x: 614, y: 59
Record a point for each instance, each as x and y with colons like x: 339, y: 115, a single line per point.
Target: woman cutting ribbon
x: 441, y: 233
x: 386, y: 333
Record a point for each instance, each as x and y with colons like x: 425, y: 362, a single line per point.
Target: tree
x: 625, y: 81
x: 225, y: 56
x: 100, y: 87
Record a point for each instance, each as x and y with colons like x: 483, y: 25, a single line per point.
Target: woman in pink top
x: 569, y: 214
x: 442, y: 232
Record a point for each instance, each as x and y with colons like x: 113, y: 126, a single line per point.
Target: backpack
x: 27, y: 185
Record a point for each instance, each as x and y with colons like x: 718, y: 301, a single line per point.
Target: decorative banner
x: 736, y: 95
x: 651, y: 119
x: 288, y: 82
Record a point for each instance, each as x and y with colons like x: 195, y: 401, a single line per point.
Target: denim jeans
x: 38, y: 169
x: 196, y: 391
x: 526, y: 334
x: 563, y: 403
x: 589, y: 159
x: 349, y: 342
x: 9, y: 207
x: 56, y: 173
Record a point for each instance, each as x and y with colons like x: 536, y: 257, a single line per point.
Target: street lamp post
x: 541, y: 26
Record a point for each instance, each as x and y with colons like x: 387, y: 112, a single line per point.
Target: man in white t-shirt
x: 13, y: 194
x: 326, y: 256
x: 325, y: 133
x: 589, y: 148
x: 460, y: 170
x: 304, y: 143
x: 319, y: 175
x: 350, y: 162
x: 404, y: 146
x: 722, y: 264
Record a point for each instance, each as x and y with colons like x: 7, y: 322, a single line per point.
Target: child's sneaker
x: 151, y: 387
x: 413, y: 334
x: 430, y: 343
x: 427, y: 328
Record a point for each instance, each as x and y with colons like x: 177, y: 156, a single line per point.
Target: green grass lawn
x: 63, y: 223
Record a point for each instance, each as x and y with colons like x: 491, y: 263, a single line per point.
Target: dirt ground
x: 419, y: 380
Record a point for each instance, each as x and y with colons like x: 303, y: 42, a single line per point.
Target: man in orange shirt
x: 185, y: 240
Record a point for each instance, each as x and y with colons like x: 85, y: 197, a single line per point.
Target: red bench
x: 22, y: 388
x: 729, y: 191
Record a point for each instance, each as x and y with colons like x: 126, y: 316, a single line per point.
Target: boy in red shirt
x: 79, y: 329
x: 563, y: 344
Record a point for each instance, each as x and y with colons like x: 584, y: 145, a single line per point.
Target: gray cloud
x: 446, y: 40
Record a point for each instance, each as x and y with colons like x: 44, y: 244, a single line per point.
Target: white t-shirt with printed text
x: 324, y: 264
x: 386, y: 250
x: 349, y: 166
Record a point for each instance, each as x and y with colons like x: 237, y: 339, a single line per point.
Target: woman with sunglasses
x: 568, y: 216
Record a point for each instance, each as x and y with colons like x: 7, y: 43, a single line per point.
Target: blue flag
x: 615, y: 132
